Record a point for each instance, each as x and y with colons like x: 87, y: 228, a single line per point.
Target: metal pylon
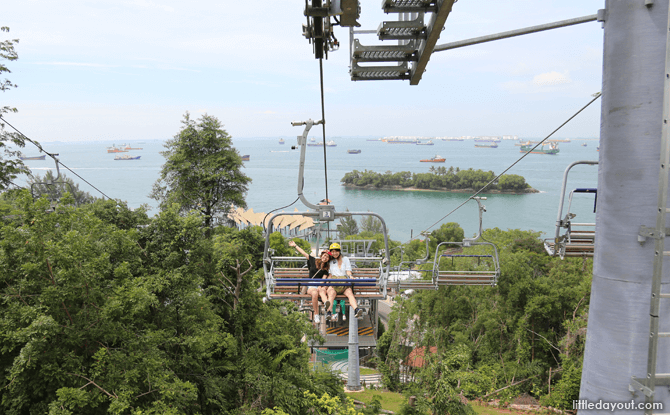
x: 354, y: 381
x: 658, y: 233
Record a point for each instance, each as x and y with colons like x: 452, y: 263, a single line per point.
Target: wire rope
x: 283, y: 207
x: 598, y: 95
x: 323, y: 127
x: 36, y: 144
x: 16, y: 185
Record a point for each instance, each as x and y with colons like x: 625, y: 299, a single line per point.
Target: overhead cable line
x: 53, y: 156
x: 323, y: 128
x: 597, y: 95
x: 16, y: 185
x: 323, y: 117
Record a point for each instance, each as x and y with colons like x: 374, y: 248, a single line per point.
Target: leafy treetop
x: 202, y: 171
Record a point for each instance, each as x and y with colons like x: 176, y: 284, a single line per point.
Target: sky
x: 128, y: 70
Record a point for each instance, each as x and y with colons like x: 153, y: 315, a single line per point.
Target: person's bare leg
x: 352, y: 300
x: 331, y: 296
x: 322, y: 294
x: 315, y: 299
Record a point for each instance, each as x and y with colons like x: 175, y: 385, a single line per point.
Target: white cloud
x: 541, y: 83
x: 151, y: 5
x: 551, y: 78
x: 86, y: 64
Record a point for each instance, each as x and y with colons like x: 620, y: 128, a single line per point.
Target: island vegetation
x: 440, y: 179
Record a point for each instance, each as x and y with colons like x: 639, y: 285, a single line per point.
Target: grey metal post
x: 628, y: 171
x: 354, y: 381
x: 513, y: 33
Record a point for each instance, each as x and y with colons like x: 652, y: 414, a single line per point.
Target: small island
x: 438, y: 179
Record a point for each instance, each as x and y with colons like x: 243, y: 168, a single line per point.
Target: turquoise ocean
x: 274, y: 170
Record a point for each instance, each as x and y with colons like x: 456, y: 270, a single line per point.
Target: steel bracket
x: 640, y: 384
x: 648, y: 232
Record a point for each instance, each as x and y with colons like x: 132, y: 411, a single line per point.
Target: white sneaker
x: 335, y: 316
x: 344, y: 316
x: 317, y: 318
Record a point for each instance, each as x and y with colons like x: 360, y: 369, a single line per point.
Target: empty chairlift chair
x: 414, y: 280
x: 475, y: 262
x: 572, y: 239
x: 51, y: 190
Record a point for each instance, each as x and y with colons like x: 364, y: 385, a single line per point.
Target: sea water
x: 273, y: 168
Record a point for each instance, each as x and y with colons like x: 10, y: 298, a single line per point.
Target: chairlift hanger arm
x: 563, y: 188
x: 481, y: 209
x: 302, y: 142
x: 424, y: 259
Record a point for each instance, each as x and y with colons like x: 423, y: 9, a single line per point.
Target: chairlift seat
x: 415, y: 285
x: 576, y: 241
x: 467, y: 277
x: 289, y: 281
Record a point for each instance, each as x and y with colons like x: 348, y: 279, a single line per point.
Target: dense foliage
x: 494, y: 341
x: 438, y: 179
x: 104, y: 310
x: 54, y: 188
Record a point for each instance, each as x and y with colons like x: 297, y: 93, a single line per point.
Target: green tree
x: 280, y: 245
x: 10, y: 164
x: 202, y: 171
x: 348, y: 226
x: 512, y: 182
x: 53, y: 189
x: 371, y: 224
x: 97, y: 320
x: 447, y: 232
x: 103, y: 316
x: 490, y: 338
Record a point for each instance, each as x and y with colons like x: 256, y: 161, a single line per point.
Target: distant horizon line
x: 289, y: 137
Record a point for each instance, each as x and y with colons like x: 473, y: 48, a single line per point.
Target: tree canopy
x: 202, y: 171
x: 104, y: 310
x: 54, y: 190
x: 347, y: 226
x: 497, y: 341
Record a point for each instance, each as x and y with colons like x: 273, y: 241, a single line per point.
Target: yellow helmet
x: 334, y: 245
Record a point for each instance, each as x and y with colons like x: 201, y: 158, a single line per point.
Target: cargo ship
x: 546, y: 148
x: 436, y: 159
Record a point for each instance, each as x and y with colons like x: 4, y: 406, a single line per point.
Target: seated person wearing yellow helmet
x: 340, y: 267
